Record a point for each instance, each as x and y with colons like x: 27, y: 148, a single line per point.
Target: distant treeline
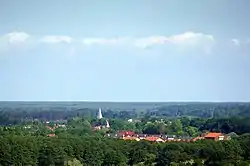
x: 15, y: 115
x: 203, y: 110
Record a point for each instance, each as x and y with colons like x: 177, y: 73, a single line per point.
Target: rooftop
x: 213, y: 135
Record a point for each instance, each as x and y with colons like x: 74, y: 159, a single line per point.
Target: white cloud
x: 187, y: 40
x: 16, y: 41
x: 235, y: 42
x: 56, y: 39
x: 103, y: 41
x: 150, y: 41
x: 16, y: 37
x: 191, y: 38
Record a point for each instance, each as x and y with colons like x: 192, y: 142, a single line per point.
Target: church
x: 99, y: 117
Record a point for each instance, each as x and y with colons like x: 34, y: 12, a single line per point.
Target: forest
x: 25, y: 137
x: 16, y: 112
x: 93, y: 150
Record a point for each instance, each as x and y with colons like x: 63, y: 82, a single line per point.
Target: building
x: 99, y: 114
x: 107, y: 124
x: 126, y: 133
x: 128, y: 138
x: 130, y: 120
x: 154, y: 139
x: 51, y: 135
x: 212, y: 136
x: 215, y: 136
x: 97, y: 128
x: 197, y: 139
x: 141, y: 136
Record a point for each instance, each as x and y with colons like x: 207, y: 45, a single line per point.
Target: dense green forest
x: 96, y: 150
x: 79, y: 145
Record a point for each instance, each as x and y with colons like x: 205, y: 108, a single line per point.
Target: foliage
x: 94, y: 150
x: 17, y: 113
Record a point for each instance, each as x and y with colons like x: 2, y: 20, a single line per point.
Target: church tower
x: 99, y: 114
x: 107, y: 124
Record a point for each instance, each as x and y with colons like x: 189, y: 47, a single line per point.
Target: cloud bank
x: 184, y: 39
x: 187, y: 40
x: 17, y: 37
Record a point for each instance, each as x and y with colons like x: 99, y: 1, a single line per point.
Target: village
x: 129, y: 135
x: 132, y: 136
x: 140, y: 139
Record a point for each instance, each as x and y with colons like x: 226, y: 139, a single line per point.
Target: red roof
x: 152, y: 138
x: 126, y: 133
x: 213, y: 135
x: 51, y: 135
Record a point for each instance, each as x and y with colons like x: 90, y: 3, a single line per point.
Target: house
x: 215, y: 136
x: 128, y: 138
x: 170, y: 139
x: 97, y: 128
x: 186, y: 138
x: 51, y: 135
x: 212, y: 136
x: 197, y: 138
x: 130, y: 120
x: 141, y: 136
x: 154, y: 139
x: 126, y: 133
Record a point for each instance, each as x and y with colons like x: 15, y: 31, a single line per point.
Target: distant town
x: 134, y: 134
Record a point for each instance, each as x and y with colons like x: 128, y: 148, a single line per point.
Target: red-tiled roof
x: 51, y: 135
x: 152, y: 138
x: 126, y: 133
x: 213, y: 135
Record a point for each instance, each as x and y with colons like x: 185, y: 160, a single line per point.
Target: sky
x: 127, y: 50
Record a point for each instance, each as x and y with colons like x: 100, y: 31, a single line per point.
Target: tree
x: 177, y: 127
x: 114, y: 158
x: 51, y: 152
x: 74, y: 162
x: 162, y: 128
x: 149, y: 159
x: 191, y: 131
x: 151, y: 128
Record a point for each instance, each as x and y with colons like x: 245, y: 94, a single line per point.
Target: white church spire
x: 107, y: 124
x: 99, y: 114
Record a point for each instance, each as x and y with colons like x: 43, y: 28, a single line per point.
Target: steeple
x: 107, y: 124
x: 99, y: 114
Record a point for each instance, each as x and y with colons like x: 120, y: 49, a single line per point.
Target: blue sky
x: 144, y: 50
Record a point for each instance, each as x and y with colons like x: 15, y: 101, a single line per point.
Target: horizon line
x: 124, y: 101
